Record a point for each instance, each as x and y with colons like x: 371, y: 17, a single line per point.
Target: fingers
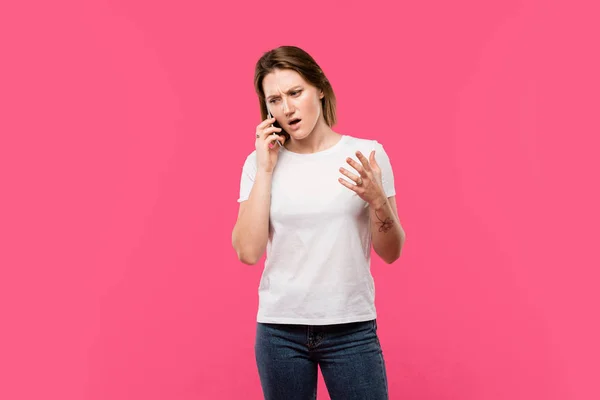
x: 266, y: 128
x: 266, y: 123
x: 373, y: 162
x: 271, y: 139
x: 348, y: 184
x: 368, y: 181
x: 363, y: 160
x: 359, y: 168
x: 350, y: 175
x: 268, y: 131
x: 267, y: 134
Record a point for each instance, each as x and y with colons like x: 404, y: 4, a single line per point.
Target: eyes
x: 293, y: 93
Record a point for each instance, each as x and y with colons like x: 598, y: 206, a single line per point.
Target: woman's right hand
x: 267, y: 150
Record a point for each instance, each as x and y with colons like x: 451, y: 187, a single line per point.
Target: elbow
x: 246, y: 258
x: 390, y: 259
x: 388, y: 256
x: 246, y: 254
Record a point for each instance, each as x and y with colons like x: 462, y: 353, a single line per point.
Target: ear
x: 321, y: 95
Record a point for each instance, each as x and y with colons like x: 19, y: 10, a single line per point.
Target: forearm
x: 387, y: 234
x: 251, y: 231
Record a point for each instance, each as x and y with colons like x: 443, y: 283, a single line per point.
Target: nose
x: 287, y: 110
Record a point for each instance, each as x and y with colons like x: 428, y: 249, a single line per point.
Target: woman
x: 316, y: 202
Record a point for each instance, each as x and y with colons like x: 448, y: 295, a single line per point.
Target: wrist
x: 264, y: 173
x: 379, y: 203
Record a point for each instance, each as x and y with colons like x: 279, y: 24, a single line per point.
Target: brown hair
x: 294, y: 58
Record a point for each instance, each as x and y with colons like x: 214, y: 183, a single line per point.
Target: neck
x: 321, y: 138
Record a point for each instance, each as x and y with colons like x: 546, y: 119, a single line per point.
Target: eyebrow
x: 288, y: 92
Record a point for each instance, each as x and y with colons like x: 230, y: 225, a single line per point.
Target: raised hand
x: 367, y: 179
x: 267, y: 150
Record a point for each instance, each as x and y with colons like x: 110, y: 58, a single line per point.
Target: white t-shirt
x: 317, y: 266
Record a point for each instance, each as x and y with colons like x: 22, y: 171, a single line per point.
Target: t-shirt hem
x: 316, y: 321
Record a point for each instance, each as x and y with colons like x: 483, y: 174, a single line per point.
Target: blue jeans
x: 349, y: 355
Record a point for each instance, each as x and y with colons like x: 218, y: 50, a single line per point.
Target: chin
x: 299, y: 135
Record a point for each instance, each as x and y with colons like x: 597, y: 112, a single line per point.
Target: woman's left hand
x: 368, y: 184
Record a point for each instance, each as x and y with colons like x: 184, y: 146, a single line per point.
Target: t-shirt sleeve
x: 247, y: 178
x: 387, y: 173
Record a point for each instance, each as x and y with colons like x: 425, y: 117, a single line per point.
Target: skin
x: 289, y: 96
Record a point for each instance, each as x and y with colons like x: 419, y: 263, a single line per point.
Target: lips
x: 294, y: 123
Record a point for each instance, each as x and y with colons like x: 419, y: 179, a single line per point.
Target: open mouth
x: 294, y: 122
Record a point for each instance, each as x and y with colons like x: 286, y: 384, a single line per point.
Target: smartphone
x: 275, y: 125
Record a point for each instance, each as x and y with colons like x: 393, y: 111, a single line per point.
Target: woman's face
x: 295, y: 103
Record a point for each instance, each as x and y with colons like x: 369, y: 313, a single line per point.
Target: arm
x: 387, y: 233
x: 251, y: 230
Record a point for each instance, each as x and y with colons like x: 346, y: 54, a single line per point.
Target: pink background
x: 124, y: 128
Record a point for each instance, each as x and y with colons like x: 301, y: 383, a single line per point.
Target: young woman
x: 315, y: 201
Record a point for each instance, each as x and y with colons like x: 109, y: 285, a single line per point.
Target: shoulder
x: 368, y: 145
x: 250, y: 160
x: 363, y: 144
